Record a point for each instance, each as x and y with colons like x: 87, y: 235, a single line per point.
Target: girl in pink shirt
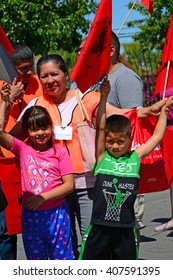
x: 47, y: 177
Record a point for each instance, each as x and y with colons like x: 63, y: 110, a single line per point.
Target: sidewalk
x: 153, y: 246
x: 156, y: 246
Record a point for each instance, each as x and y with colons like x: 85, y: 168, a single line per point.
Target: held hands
x: 169, y: 104
x: 105, y: 87
x: 153, y: 110
x: 156, y: 107
x: 14, y: 91
x: 5, y: 92
x: 17, y: 90
x: 5, y: 101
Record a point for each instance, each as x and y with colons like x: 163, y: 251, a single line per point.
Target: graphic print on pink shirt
x: 39, y: 174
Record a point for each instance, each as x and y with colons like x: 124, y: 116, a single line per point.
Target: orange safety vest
x: 90, y: 101
x: 33, y: 89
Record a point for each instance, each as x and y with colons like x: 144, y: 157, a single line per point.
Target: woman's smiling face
x: 53, y: 79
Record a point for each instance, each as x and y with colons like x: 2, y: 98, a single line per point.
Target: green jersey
x: 116, y: 187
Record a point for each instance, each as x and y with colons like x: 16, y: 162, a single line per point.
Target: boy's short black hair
x: 21, y: 53
x: 118, y: 123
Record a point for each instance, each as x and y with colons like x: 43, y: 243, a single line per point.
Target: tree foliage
x: 143, y: 63
x: 153, y: 28
x: 47, y: 25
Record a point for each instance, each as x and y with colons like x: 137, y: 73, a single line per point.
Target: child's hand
x: 17, y: 90
x: 155, y: 109
x: 168, y: 104
x: 5, y: 92
x: 105, y: 87
x: 34, y: 202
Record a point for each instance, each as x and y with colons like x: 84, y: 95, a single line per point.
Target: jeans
x: 8, y: 243
x: 80, y: 204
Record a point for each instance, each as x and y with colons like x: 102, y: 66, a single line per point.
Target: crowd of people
x: 38, y: 125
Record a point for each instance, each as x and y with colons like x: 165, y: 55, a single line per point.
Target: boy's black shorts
x: 105, y: 243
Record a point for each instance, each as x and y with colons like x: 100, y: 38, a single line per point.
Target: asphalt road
x: 156, y: 246
x: 153, y: 246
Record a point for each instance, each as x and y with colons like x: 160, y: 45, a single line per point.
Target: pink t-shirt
x: 41, y: 171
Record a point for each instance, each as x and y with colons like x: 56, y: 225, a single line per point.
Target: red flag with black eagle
x: 149, y: 5
x: 94, y: 59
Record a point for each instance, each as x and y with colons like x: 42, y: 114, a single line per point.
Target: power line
x: 125, y: 35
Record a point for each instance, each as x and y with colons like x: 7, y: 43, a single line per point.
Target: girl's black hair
x: 56, y: 58
x: 36, y: 117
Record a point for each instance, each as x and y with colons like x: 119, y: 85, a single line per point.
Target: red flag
x: 154, y: 174
x: 5, y: 41
x: 94, y: 59
x: 161, y: 77
x: 149, y: 5
x: 167, y: 53
x: 11, y: 185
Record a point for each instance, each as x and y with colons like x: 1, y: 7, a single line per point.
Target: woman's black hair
x: 56, y: 58
x: 36, y: 117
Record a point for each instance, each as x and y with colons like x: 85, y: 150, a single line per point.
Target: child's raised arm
x: 158, y: 133
x: 101, y: 120
x: 5, y: 93
x: 5, y: 139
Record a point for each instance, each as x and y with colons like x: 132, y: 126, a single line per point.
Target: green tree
x: 143, y: 63
x: 47, y: 25
x: 153, y: 28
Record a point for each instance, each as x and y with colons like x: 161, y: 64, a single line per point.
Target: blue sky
x: 119, y: 12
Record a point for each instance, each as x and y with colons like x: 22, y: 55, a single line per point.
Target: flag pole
x: 126, y: 17
x: 166, y: 78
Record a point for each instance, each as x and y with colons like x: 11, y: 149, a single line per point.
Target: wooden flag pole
x: 166, y: 79
x: 126, y: 17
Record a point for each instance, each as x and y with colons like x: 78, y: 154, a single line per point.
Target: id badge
x: 62, y: 133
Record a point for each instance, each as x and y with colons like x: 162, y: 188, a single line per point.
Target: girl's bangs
x: 38, y: 121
